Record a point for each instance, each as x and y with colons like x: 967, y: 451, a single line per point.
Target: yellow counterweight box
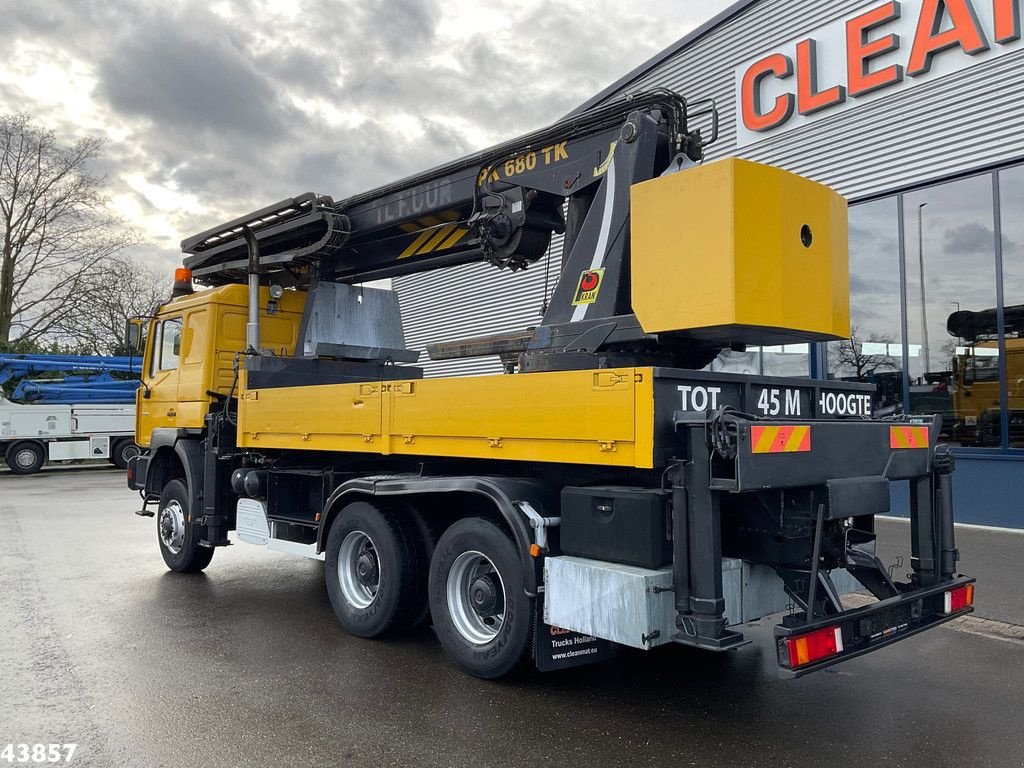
x: 736, y: 251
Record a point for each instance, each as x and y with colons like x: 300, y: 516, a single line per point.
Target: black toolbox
x: 618, y: 524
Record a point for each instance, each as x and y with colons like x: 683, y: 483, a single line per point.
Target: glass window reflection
x: 874, y: 351
x: 1011, y: 193
x: 950, y: 265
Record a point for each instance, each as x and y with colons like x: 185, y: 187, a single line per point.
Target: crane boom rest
x: 610, y: 491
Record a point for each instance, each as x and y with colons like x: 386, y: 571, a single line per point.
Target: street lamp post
x: 924, y: 306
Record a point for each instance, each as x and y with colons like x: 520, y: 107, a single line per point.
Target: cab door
x: 158, y: 397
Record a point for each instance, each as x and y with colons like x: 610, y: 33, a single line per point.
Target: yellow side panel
x: 739, y: 251
x: 329, y: 417
x: 586, y: 417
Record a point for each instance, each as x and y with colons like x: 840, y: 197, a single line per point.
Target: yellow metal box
x: 735, y: 251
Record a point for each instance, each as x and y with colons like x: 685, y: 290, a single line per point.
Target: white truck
x: 81, y: 407
x: 31, y: 435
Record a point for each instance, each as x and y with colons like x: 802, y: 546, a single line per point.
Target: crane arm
x: 501, y: 205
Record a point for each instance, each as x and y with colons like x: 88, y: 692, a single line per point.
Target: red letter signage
x: 754, y: 117
x: 1007, y: 16
x: 929, y: 39
x: 809, y: 98
x: 861, y: 50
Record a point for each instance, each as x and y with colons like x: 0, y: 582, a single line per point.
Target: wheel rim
x: 25, y: 458
x: 172, y: 527
x: 359, y: 569
x: 129, y: 451
x: 476, y: 597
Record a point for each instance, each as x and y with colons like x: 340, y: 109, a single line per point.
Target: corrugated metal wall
x: 952, y: 125
x: 472, y: 300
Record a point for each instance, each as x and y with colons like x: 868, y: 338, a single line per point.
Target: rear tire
x: 480, y: 609
x: 122, y: 453
x: 175, y: 533
x: 374, y: 571
x: 25, y: 457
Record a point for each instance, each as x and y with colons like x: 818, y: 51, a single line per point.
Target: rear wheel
x: 122, y: 453
x: 25, y: 457
x: 175, y: 533
x: 374, y: 571
x: 480, y: 609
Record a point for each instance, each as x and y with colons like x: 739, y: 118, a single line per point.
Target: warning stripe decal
x: 908, y: 437
x: 435, y: 238
x: 793, y: 439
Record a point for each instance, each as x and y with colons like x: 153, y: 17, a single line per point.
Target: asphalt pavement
x: 245, y: 665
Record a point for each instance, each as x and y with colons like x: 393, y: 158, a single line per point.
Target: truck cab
x: 190, y: 362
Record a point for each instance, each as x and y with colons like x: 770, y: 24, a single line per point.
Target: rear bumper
x: 875, y: 626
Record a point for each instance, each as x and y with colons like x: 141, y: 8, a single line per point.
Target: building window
x: 951, y: 270
x: 962, y: 309
x: 874, y: 351
x: 1011, y: 197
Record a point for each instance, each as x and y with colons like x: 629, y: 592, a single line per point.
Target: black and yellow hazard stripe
x: 436, y: 233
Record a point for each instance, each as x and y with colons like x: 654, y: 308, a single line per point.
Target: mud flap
x: 555, y: 648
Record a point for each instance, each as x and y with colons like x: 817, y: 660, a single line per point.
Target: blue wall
x: 988, y: 489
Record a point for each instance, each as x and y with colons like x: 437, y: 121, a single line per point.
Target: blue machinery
x: 86, y: 378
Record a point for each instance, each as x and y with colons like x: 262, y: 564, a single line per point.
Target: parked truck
x: 80, y: 412
x: 608, y: 491
x: 978, y: 418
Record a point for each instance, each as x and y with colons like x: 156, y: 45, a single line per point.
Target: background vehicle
x: 80, y: 411
x: 607, y: 492
x: 976, y: 393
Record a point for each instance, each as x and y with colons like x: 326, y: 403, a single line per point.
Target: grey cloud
x: 968, y: 238
x: 873, y: 285
x: 208, y: 104
x: 195, y: 82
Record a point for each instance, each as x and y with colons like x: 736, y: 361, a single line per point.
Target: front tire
x: 480, y: 609
x: 25, y: 457
x: 176, y: 534
x: 374, y: 570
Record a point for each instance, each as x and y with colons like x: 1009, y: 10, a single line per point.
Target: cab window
x: 167, y: 345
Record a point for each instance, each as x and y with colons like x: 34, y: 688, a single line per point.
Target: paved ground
x: 246, y: 666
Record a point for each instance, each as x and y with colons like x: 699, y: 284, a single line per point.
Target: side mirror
x: 133, y: 335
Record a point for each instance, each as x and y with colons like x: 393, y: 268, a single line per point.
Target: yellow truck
x: 608, y: 491
x: 977, y: 414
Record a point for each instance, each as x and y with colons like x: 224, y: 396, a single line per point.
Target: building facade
x: 914, y: 111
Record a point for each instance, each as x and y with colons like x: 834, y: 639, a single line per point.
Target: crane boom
x: 500, y: 205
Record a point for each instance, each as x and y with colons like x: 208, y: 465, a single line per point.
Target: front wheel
x: 25, y: 458
x: 477, y: 600
x: 176, y: 534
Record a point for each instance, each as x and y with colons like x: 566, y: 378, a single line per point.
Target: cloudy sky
x: 212, y: 109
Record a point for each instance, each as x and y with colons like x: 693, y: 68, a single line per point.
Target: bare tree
x: 125, y: 288
x: 850, y: 355
x: 56, y: 236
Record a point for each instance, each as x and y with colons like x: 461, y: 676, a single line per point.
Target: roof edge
x: 715, y: 21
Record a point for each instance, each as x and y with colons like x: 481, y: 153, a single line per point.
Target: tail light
x: 814, y: 646
x: 957, y: 599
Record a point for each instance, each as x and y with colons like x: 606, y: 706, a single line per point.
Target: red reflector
x: 814, y: 646
x: 959, y: 598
